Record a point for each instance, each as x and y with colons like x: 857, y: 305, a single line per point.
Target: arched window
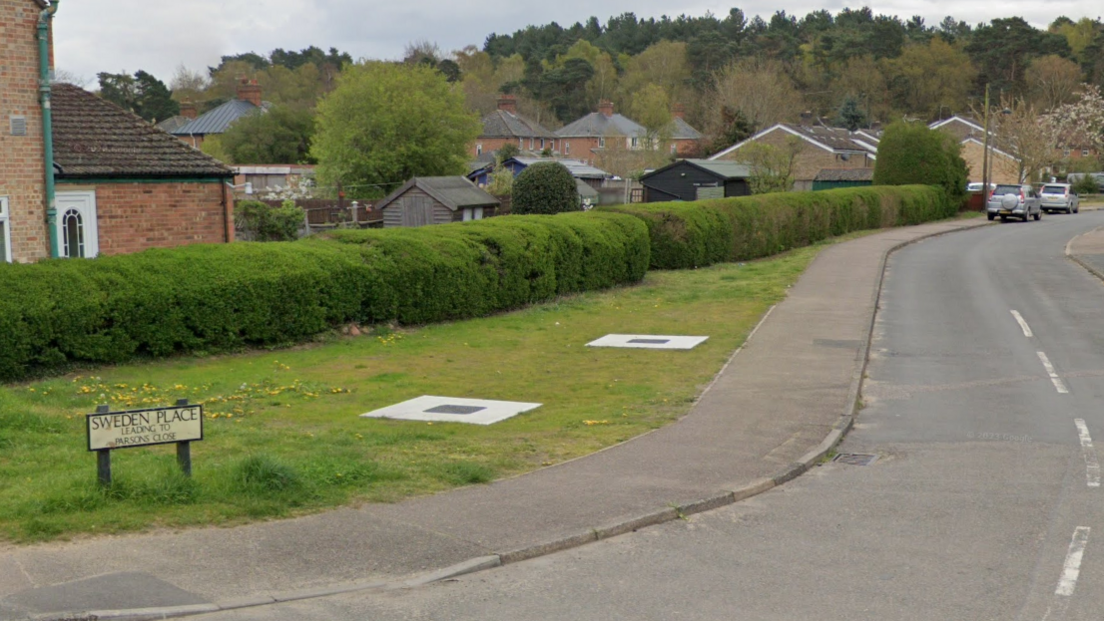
x: 72, y: 227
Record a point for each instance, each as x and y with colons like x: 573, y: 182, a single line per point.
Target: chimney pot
x: 508, y: 103
x: 188, y: 110
x: 606, y: 107
x: 679, y: 111
x: 249, y: 90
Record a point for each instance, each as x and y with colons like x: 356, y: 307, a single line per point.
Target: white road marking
x: 1071, y: 569
x: 1092, y: 465
x: 1057, y: 381
x: 1023, y: 324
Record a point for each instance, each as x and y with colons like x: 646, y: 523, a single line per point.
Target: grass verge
x: 283, y: 435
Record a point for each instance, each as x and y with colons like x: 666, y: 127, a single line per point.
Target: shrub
x: 258, y: 221
x: 545, y: 188
x: 1085, y: 184
x: 218, y: 297
x: 911, y: 154
x: 686, y: 235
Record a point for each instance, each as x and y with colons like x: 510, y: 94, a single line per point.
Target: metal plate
x: 455, y: 409
x: 855, y: 459
x: 649, y: 341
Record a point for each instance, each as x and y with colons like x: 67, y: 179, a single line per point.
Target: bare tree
x: 1027, y: 135
x: 772, y: 168
x: 1053, y: 81
x: 760, y: 90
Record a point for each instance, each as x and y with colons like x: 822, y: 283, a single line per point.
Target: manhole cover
x: 650, y: 341
x: 454, y: 409
x: 856, y: 459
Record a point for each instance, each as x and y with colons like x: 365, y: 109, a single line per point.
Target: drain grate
x: 650, y: 341
x: 856, y: 459
x: 454, y: 409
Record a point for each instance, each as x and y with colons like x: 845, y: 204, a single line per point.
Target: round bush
x: 545, y: 188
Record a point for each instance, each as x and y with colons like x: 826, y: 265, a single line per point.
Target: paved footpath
x: 778, y: 407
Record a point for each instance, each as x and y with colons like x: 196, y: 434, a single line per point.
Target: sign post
x: 181, y: 425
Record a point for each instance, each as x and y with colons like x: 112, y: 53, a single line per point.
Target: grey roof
x: 845, y: 174
x: 725, y: 169
x: 585, y: 190
x: 218, y: 120
x: 578, y: 168
x: 505, y: 124
x: 173, y: 123
x: 683, y: 131
x: 452, y: 192
x: 596, y: 125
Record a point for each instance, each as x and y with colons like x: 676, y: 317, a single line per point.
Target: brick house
x: 818, y: 148
x: 505, y: 126
x: 583, y: 137
x: 1005, y: 168
x: 218, y: 120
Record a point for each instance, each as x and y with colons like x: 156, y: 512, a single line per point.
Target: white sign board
x: 115, y: 430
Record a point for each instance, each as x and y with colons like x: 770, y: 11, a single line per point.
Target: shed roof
x: 506, y: 124
x: 218, y: 120
x: 585, y: 190
x: 722, y: 169
x: 452, y: 192
x: 596, y: 125
x: 95, y: 138
x: 578, y: 168
x: 845, y: 174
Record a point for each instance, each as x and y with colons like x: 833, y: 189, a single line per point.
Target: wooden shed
x: 436, y: 200
x: 691, y: 180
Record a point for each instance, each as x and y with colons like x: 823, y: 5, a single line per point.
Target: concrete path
x: 777, y: 407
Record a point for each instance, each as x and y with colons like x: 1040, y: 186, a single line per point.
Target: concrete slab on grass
x: 648, y: 341
x: 453, y: 410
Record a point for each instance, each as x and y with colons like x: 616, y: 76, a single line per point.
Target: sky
x: 158, y: 36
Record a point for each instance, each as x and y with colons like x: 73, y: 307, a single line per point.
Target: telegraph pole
x: 985, y: 155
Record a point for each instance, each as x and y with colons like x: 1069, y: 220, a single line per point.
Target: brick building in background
x: 122, y: 184
x: 505, y: 126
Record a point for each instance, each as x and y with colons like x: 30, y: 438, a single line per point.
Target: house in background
x: 583, y: 137
x: 818, y: 148
x: 218, y: 120
x: 122, y: 185
x: 436, y: 200
x: 691, y: 180
x: 505, y: 126
x: 588, y: 179
x: 1004, y: 168
x: 685, y: 140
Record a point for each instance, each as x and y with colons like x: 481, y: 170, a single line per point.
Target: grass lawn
x: 283, y: 434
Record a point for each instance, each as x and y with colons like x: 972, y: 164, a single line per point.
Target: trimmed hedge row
x: 686, y: 235
x: 217, y: 297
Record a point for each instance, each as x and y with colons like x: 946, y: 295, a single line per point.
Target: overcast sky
x: 158, y: 36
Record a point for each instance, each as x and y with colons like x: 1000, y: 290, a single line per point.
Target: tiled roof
x: 837, y: 138
x: 218, y: 120
x: 453, y: 192
x: 578, y: 168
x: 505, y: 124
x: 96, y: 138
x: 596, y: 125
x: 845, y: 174
x: 683, y: 131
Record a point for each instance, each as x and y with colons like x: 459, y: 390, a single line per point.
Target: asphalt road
x: 984, y: 501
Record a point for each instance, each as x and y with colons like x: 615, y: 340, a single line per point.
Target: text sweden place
x: 113, y: 430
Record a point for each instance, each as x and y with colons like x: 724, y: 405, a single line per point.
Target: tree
x: 910, y: 153
x: 279, y: 136
x: 142, y: 94
x: 664, y: 65
x: 733, y: 129
x: 928, y: 79
x: 772, y: 167
x: 850, y: 115
x: 502, y: 180
x: 1003, y: 49
x: 652, y: 109
x: 545, y: 188
x: 760, y: 90
x: 386, y: 123
x: 1053, y: 81
x: 187, y: 85
x: 1022, y: 132
x: 1080, y: 125
x: 507, y: 151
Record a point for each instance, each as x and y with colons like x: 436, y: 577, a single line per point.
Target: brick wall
x: 490, y: 145
x: 22, y: 172
x: 136, y: 216
x: 810, y: 159
x: 1002, y: 170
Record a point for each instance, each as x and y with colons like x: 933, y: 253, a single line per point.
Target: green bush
x: 545, y: 188
x: 259, y: 221
x: 159, y: 302
x: 1085, y: 184
x: 913, y: 154
x: 686, y: 235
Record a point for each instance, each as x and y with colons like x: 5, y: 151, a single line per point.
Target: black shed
x: 691, y: 180
x: 436, y: 200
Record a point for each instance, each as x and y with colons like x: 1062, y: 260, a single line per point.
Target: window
x: 634, y: 143
x: 479, y: 148
x: 530, y: 144
x: 674, y: 148
x: 5, y: 232
x: 1065, y: 152
x: 72, y: 235
x: 1084, y: 153
x: 542, y: 144
x: 567, y: 148
x: 602, y: 143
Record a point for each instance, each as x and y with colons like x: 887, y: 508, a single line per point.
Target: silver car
x: 1014, y: 201
x: 1059, y: 197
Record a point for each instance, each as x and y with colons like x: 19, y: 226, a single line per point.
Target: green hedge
x: 217, y: 297
x: 686, y: 235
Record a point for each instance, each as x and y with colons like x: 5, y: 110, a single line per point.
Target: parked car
x: 1014, y: 201
x: 1059, y: 197
x: 976, y: 186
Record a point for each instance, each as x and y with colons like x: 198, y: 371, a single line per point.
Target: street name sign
x: 116, y: 430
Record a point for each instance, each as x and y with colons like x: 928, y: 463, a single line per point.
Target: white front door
x: 77, y: 234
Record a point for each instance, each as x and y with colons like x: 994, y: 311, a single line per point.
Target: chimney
x: 508, y: 103
x: 188, y: 110
x: 679, y: 111
x: 606, y: 107
x: 249, y: 90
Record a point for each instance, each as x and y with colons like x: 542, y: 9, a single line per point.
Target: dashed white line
x: 1092, y: 465
x: 1054, y: 379
x: 1071, y: 569
x: 1023, y: 324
